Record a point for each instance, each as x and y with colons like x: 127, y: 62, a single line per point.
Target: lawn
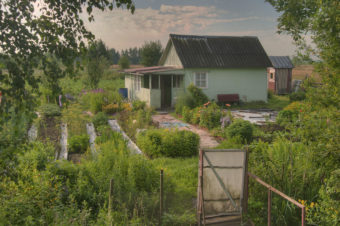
x: 180, y: 182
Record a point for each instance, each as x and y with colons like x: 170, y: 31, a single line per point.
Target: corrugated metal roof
x: 281, y: 62
x: 218, y: 51
x: 150, y: 70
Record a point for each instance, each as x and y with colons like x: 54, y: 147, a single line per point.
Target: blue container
x: 123, y: 92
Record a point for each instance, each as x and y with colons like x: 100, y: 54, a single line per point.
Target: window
x: 271, y: 75
x: 201, y: 79
x: 177, y: 81
x: 154, y: 82
x: 146, y: 81
x: 137, y: 82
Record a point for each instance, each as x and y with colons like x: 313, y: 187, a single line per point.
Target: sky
x: 156, y: 19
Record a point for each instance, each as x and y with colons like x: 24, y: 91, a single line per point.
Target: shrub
x: 297, y: 96
x: 138, y: 105
x: 173, y: 143
x: 184, y: 100
x: 111, y: 108
x: 270, y: 94
x: 100, y: 119
x: 289, y: 114
x: 199, y: 97
x: 210, y: 116
x: 78, y: 144
x: 187, y: 114
x: 50, y: 110
x: 241, y: 128
x: 96, y: 101
x: 286, y: 116
x: 195, y: 115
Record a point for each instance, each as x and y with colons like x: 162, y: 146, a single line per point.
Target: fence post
x: 110, y: 201
x: 303, y: 214
x: 269, y: 206
x: 161, y: 197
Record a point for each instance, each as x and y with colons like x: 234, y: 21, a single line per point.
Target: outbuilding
x: 280, y: 75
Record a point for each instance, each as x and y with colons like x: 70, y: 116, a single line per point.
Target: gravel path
x: 206, y: 140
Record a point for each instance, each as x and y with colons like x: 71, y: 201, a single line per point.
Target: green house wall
x: 250, y: 84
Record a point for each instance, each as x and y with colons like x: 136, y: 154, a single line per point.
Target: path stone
x: 63, y: 142
x: 92, y: 134
x: 131, y: 145
x: 206, y: 140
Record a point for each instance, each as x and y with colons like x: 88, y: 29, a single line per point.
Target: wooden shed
x: 280, y: 75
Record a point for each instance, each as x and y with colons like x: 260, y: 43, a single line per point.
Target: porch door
x: 165, y: 91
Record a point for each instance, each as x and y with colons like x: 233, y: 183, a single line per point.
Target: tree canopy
x: 151, y: 52
x: 319, y: 19
x: 31, y: 31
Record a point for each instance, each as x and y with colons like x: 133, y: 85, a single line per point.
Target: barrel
x: 123, y: 92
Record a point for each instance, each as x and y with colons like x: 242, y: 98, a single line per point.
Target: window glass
x: 177, y: 81
x: 146, y: 81
x: 154, y: 82
x: 201, y: 80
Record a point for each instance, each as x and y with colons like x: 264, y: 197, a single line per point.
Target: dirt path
x: 206, y: 140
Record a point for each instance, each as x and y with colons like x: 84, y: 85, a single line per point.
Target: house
x: 216, y: 64
x: 280, y: 75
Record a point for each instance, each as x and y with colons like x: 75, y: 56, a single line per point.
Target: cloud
x: 121, y: 29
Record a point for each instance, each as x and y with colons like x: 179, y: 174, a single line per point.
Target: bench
x: 228, y: 98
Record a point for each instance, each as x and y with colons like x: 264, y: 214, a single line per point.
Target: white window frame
x: 206, y: 79
x: 177, y: 81
x: 137, y: 82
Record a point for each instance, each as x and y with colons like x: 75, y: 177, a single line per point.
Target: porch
x: 157, y: 86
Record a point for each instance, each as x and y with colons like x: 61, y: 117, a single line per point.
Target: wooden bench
x: 228, y: 98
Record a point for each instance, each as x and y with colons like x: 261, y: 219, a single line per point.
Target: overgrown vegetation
x: 168, y: 143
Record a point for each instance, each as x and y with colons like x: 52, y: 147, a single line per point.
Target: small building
x: 216, y: 64
x: 280, y: 75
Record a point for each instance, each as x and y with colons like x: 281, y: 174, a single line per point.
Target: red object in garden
x: 231, y: 98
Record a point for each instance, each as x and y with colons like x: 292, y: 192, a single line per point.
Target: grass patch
x: 180, y: 182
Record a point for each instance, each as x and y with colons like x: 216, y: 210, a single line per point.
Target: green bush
x: 297, y: 96
x: 96, y: 102
x: 100, y: 119
x: 187, y: 114
x: 184, y: 100
x: 50, y: 110
x: 286, y: 116
x: 199, y: 97
x: 78, y: 144
x: 168, y: 143
x: 138, y: 105
x: 210, y: 116
x: 241, y: 128
x: 99, y: 100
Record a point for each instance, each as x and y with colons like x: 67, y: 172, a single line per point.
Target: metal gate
x: 221, y: 185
